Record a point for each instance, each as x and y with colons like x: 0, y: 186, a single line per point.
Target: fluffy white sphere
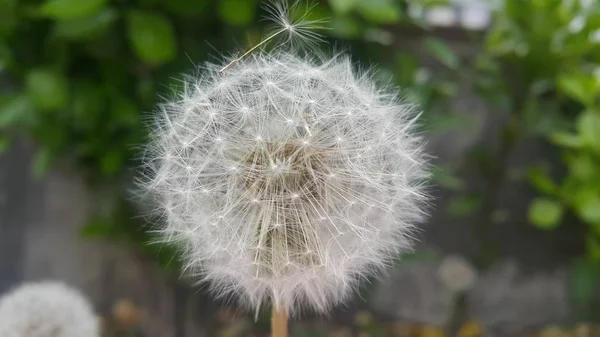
x: 288, y: 178
x: 46, y: 309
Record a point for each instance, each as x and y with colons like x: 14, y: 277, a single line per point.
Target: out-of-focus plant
x: 538, y: 73
x: 539, y: 69
x: 551, y: 51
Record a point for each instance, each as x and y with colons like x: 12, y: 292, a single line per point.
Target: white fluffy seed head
x: 46, y: 309
x: 287, y: 179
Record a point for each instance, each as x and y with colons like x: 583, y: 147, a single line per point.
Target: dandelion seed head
x: 305, y: 198
x: 46, y: 309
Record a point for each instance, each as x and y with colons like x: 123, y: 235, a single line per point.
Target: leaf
x: 70, y: 9
x: 588, y: 125
x: 579, y: 86
x: 345, y: 27
x: 589, y: 208
x: 541, y: 180
x: 151, y: 36
x: 14, y: 109
x: 47, y: 89
x: 545, y: 213
x: 343, y: 6
x: 565, y: 139
x: 237, y: 12
x: 442, y: 52
x: 87, y: 27
x: 582, y: 166
x: 380, y: 11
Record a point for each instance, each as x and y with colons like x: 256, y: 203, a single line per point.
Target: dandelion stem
x: 265, y: 41
x: 279, y: 323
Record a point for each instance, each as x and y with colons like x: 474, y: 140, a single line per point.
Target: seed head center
x: 280, y: 171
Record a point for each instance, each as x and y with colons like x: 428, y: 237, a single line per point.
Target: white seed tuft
x: 46, y: 309
x: 328, y: 192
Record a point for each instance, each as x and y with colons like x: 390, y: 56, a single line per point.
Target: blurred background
x: 510, y: 91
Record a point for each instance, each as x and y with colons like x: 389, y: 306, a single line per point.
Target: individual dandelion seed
x: 46, y: 309
x: 289, y: 20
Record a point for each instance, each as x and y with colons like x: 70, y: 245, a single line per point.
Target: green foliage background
x: 79, y: 75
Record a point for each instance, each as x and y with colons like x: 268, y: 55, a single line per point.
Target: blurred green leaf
x: 566, y: 139
x: 380, y: 11
x: 47, y: 88
x: 588, y: 207
x: 343, y: 6
x: 582, y: 166
x: 580, y: 87
x: 545, y: 213
x: 588, y: 125
x: 87, y: 27
x: 14, y: 109
x: 541, y: 118
x: 442, y: 52
x: 237, y: 12
x: 345, y: 27
x: 151, y: 36
x: 541, y: 180
x: 70, y: 9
